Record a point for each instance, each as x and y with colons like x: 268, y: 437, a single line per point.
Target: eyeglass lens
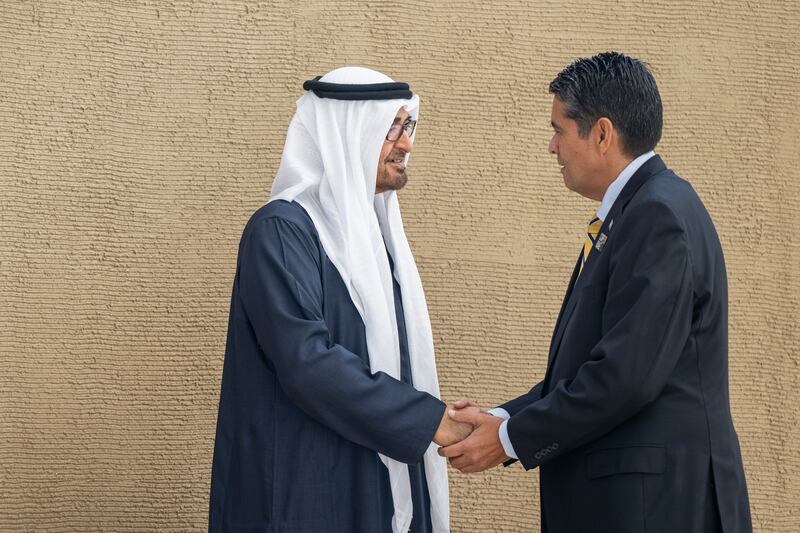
x: 397, y: 130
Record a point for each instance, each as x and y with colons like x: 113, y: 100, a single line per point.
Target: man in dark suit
x: 631, y: 427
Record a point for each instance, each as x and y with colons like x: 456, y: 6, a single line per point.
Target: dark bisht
x: 329, y: 166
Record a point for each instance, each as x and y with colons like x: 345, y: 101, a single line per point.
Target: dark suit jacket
x: 631, y: 427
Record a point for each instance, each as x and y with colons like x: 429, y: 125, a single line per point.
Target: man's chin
x: 401, y: 181
x: 395, y: 183
x: 569, y: 184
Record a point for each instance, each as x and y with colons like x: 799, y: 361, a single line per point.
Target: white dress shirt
x: 602, y: 212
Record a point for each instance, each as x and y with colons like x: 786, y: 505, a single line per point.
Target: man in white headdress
x: 329, y: 414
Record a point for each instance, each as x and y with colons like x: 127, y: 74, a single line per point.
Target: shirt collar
x: 618, y: 184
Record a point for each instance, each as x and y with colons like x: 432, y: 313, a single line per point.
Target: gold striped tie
x: 591, y: 237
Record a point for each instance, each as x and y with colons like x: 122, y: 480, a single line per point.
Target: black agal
x: 353, y: 91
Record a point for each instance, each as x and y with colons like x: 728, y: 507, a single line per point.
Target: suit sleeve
x: 281, y: 292
x: 645, y: 324
x: 517, y: 404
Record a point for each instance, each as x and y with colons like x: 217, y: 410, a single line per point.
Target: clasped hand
x: 470, y: 438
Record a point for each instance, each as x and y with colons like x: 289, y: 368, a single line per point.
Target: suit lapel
x: 566, y: 310
x: 651, y: 167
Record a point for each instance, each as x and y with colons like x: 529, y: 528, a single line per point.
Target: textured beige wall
x: 136, y: 138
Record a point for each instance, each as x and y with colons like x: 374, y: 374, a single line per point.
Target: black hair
x: 617, y: 87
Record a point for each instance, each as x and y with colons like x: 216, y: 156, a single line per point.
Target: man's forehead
x: 558, y: 106
x: 558, y: 113
x: 401, y: 115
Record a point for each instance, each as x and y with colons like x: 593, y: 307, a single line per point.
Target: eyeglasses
x: 396, y: 131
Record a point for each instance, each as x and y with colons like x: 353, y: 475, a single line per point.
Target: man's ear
x: 605, y: 133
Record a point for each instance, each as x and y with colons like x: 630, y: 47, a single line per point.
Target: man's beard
x: 394, y: 184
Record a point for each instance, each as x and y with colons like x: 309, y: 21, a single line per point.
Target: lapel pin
x: 611, y: 224
x: 601, y: 242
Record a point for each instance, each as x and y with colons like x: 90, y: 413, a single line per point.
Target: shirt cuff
x: 505, y: 441
x: 499, y: 412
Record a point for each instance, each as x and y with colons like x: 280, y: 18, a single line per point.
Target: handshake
x: 470, y: 437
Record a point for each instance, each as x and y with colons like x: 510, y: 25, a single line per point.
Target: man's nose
x: 552, y: 146
x: 404, y: 143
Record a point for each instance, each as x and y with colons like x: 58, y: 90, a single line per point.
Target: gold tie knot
x: 594, y: 228
x: 591, y: 237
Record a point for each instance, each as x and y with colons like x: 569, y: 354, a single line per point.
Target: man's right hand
x: 450, y: 431
x: 463, y: 404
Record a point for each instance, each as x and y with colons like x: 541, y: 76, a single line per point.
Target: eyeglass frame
x: 404, y: 127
